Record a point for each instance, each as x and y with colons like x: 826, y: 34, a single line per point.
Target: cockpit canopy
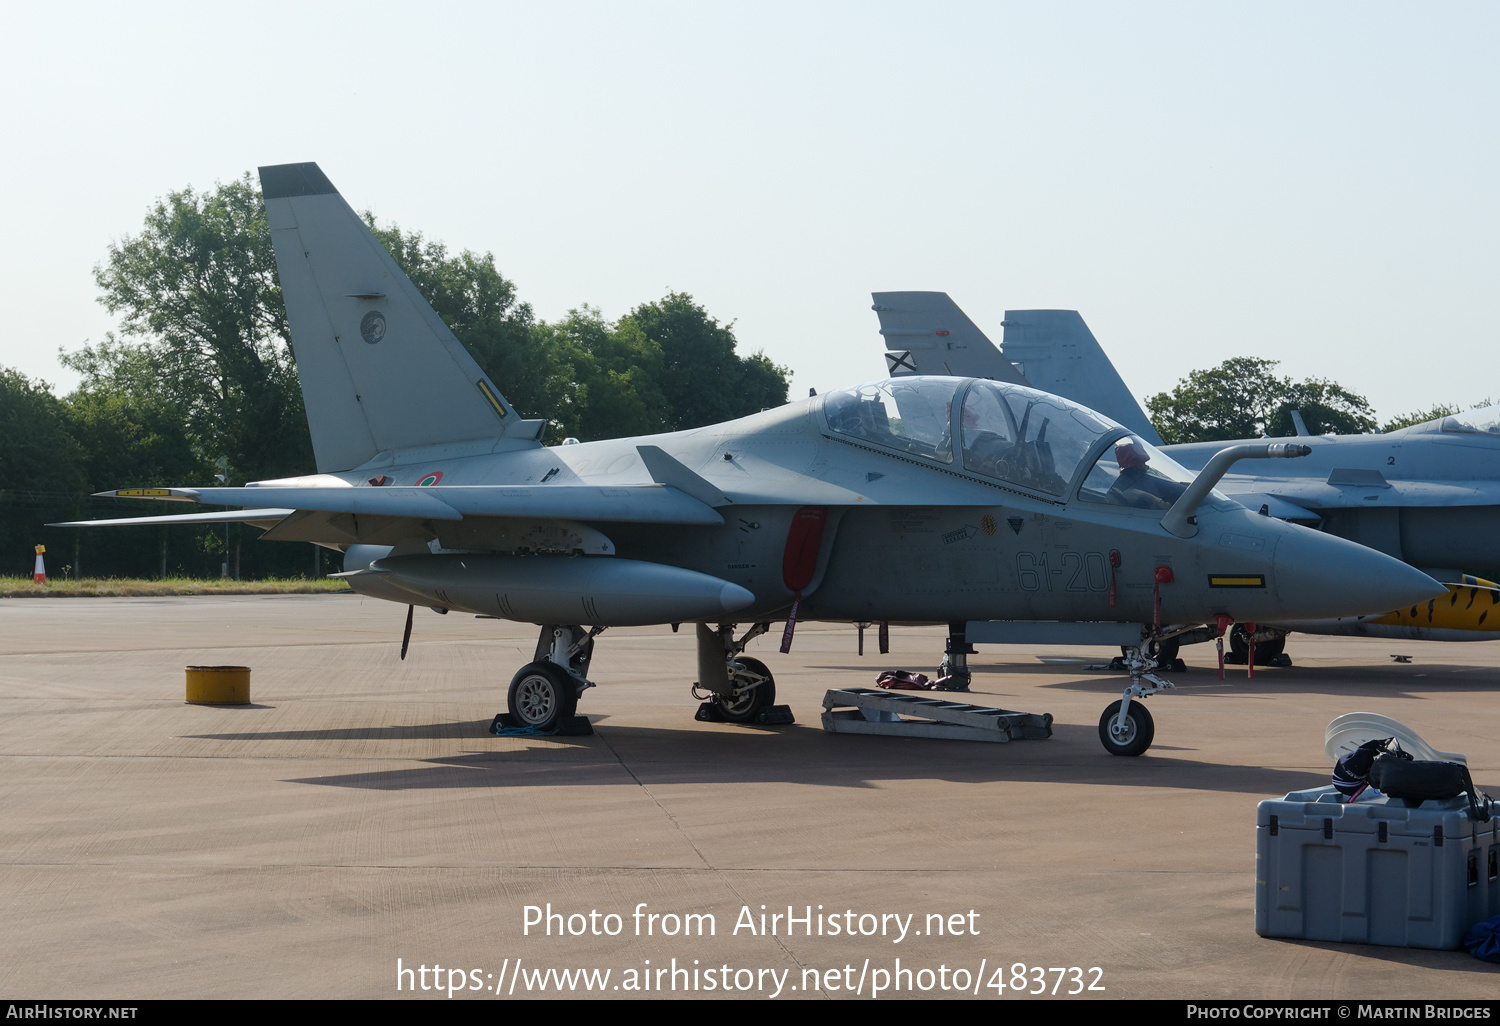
x: 1483, y: 421
x: 1006, y: 432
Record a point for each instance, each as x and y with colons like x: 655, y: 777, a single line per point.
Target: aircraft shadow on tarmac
x: 800, y: 755
x: 1365, y: 681
x: 1379, y: 678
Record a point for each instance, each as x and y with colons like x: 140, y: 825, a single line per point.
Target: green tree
x: 203, y: 332
x: 197, y: 293
x: 1244, y: 398
x: 36, y: 451
x: 1327, y: 408
x: 702, y: 379
x: 479, y: 304
x: 42, y: 478
x: 608, y: 383
x: 130, y: 432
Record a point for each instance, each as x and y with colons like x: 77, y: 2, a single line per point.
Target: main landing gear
x: 733, y: 687
x: 1269, y: 650
x: 544, y: 693
x: 1126, y: 728
x: 953, y: 671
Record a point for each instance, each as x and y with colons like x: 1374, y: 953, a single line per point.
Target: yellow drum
x: 218, y: 685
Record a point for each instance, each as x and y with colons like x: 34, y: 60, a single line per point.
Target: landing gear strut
x: 1163, y: 650
x: 733, y: 687
x: 953, y: 671
x: 752, y: 690
x: 544, y: 693
x: 1126, y: 728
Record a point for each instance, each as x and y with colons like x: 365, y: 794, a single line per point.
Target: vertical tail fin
x: 1058, y: 354
x: 926, y: 333
x: 380, y: 371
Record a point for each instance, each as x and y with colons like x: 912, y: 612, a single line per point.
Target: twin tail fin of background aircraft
x: 1051, y: 350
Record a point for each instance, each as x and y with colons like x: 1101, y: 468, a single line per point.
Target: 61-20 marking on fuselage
x: 1084, y: 571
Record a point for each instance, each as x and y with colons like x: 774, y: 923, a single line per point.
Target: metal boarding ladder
x: 877, y: 711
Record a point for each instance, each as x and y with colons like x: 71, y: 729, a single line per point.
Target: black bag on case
x: 1416, y: 781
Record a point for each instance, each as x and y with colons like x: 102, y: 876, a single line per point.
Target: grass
x: 118, y: 587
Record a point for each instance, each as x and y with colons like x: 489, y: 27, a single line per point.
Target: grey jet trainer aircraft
x: 913, y: 500
x: 1428, y: 494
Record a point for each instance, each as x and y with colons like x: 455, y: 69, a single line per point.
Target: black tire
x: 746, y: 706
x: 1165, y: 651
x: 1140, y: 730
x: 1265, y: 651
x: 542, y: 696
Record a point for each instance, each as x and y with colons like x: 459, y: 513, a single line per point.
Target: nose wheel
x: 1126, y: 728
x: 1130, y: 734
x: 753, y: 689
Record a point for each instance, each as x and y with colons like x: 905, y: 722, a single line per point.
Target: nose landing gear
x: 1126, y: 728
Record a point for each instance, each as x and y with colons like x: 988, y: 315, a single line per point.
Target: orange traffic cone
x: 40, y: 576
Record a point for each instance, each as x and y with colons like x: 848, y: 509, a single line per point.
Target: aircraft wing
x: 654, y: 503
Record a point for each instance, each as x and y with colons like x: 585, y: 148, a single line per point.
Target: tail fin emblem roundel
x: 372, y: 327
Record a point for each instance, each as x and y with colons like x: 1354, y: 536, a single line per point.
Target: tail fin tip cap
x: 282, y: 180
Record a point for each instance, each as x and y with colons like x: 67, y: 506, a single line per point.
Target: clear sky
x: 1311, y: 183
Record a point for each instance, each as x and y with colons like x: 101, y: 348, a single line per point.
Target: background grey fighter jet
x: 913, y: 500
x: 1427, y: 494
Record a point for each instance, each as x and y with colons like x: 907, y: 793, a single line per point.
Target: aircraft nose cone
x: 1325, y: 577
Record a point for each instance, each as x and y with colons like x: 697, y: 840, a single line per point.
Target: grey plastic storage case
x: 1374, y: 872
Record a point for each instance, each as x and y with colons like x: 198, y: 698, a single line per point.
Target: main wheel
x: 1165, y: 650
x: 542, y: 695
x: 1265, y: 651
x: 756, y: 687
x: 1134, y: 738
